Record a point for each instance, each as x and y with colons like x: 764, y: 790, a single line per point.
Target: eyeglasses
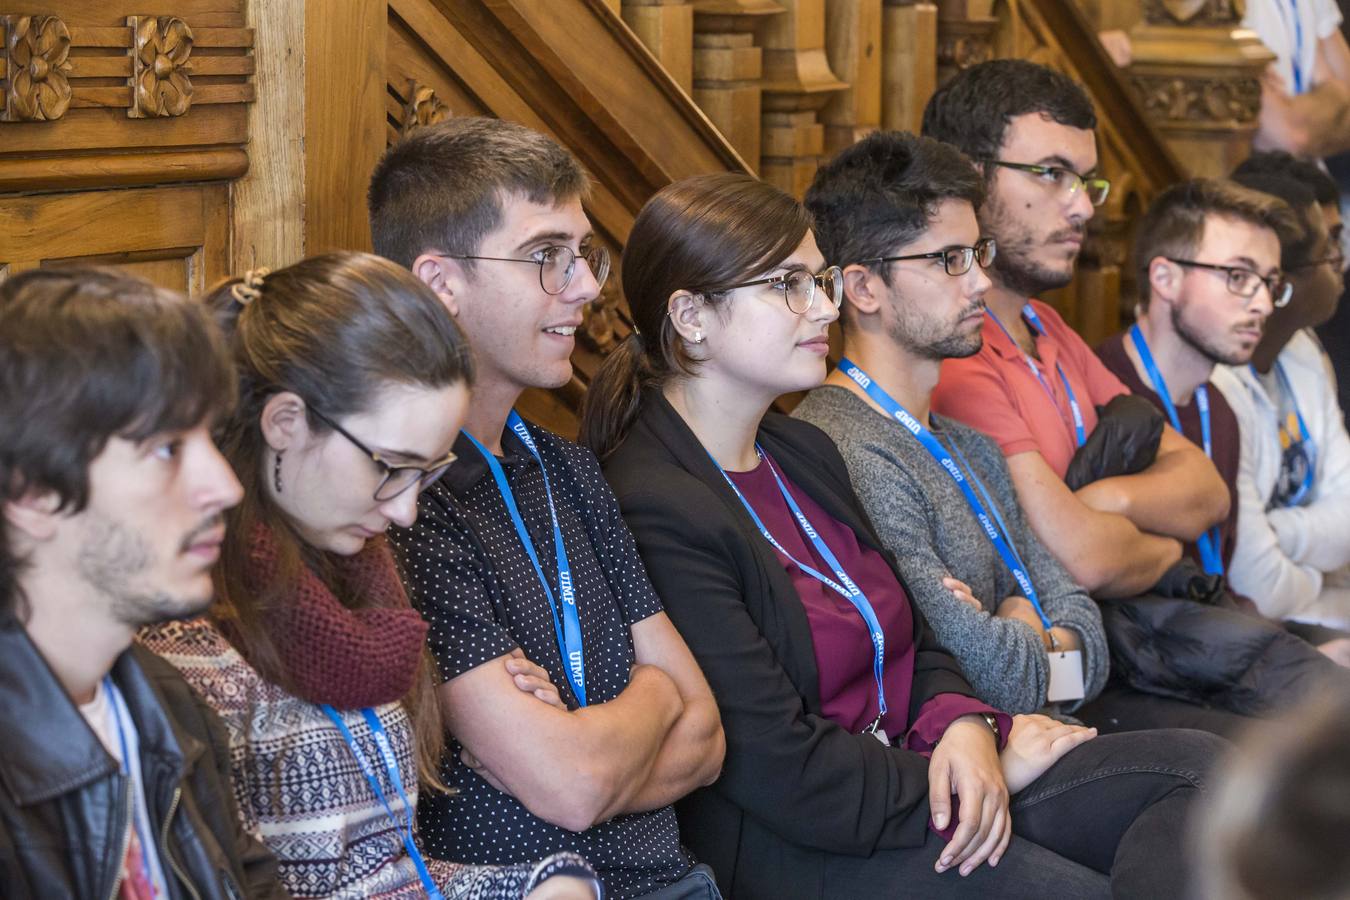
x: 956, y: 260
x: 799, y: 287
x: 556, y: 265
x: 397, y: 479
x: 1065, y: 182
x: 1244, y: 282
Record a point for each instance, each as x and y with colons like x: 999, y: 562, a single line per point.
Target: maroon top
x: 843, y: 649
x: 1224, y: 435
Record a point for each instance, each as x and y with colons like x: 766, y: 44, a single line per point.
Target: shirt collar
x: 470, y: 467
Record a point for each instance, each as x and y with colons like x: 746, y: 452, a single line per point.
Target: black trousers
x: 1107, y: 820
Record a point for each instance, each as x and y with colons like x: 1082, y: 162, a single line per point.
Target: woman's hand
x: 1037, y: 743
x: 966, y: 763
x: 533, y: 679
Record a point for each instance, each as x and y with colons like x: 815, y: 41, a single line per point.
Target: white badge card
x: 1066, y: 676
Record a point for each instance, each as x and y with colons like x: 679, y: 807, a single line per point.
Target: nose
x: 824, y: 309
x: 401, y: 510
x: 583, y: 286
x: 218, y: 488
x: 979, y: 282
x: 1262, y: 302
x: 1080, y: 205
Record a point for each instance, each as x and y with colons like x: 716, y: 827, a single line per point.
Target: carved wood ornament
x: 1194, y: 12
x: 160, y: 85
x: 423, y: 107
x: 36, y: 69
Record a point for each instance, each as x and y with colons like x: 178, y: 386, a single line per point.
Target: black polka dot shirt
x: 468, y: 573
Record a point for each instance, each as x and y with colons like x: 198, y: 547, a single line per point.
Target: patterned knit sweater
x: 300, y: 790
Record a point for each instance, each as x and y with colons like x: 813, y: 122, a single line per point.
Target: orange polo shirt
x: 996, y: 392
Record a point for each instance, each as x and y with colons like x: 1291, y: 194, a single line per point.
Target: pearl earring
x: 698, y: 337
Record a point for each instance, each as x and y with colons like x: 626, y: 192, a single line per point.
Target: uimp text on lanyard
x: 841, y: 584
x: 1208, y: 544
x: 404, y: 828
x: 1066, y: 671
x: 567, y: 627
x: 1305, y: 439
x: 1029, y: 313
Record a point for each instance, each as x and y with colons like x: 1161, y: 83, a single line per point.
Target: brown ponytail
x: 696, y: 235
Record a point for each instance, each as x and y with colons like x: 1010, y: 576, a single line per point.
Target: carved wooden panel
x: 37, y: 53
x: 160, y: 80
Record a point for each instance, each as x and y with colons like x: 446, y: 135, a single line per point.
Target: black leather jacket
x: 64, y: 806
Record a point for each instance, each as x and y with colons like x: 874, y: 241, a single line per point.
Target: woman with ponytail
x: 859, y: 761
x: 353, y: 383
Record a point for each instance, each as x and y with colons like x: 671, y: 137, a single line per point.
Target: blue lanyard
x: 998, y: 534
x: 1208, y: 544
x: 568, y: 628
x: 1295, y: 59
x: 121, y: 715
x: 391, y: 767
x: 844, y: 586
x: 1079, y: 431
x: 1304, y: 437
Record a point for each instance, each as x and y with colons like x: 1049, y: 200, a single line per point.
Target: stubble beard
x: 114, y: 560
x: 1013, y: 264
x: 1202, y: 343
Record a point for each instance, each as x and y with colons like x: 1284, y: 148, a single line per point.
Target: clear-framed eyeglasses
x: 798, y: 287
x: 556, y: 265
x: 1244, y: 282
x: 396, y: 479
x: 1064, y: 182
x: 955, y: 260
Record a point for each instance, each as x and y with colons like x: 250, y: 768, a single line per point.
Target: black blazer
x: 795, y: 786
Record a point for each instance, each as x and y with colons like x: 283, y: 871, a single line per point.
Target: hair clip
x: 250, y: 288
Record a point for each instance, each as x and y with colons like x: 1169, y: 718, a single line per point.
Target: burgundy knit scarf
x: 350, y: 658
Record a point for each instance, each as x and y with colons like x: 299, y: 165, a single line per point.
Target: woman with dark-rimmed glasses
x: 353, y: 383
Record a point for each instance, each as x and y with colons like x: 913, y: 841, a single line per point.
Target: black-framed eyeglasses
x: 798, y: 287
x: 956, y: 260
x: 397, y: 479
x: 1065, y: 182
x: 1244, y: 282
x: 556, y: 265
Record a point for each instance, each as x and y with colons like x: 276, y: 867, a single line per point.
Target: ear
x: 1164, y: 279
x: 34, y: 515
x: 688, y: 314
x: 862, y: 289
x: 443, y: 275
x: 283, y: 421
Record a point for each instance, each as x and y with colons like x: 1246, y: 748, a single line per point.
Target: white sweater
x: 1293, y: 562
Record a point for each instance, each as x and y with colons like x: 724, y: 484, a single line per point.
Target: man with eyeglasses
x: 520, y: 548
x: 1035, y: 386
x: 1293, y: 540
x: 898, y: 211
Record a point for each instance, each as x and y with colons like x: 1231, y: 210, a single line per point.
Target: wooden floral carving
x: 36, y: 69
x: 601, y: 320
x: 423, y: 107
x: 160, y: 84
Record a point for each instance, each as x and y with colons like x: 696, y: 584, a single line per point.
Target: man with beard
x: 114, y: 776
x: 899, y: 212
x: 1208, y: 257
x: 1035, y: 385
x: 1293, y: 544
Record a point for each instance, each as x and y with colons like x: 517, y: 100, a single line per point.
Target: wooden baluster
x: 853, y: 36
x: 1198, y: 74
x: 798, y: 82
x: 666, y: 27
x: 909, y: 62
x: 728, y: 66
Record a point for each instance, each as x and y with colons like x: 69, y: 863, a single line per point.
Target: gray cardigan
x: 923, y: 518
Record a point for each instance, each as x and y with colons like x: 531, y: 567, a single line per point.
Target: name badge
x: 1066, y: 676
x: 880, y: 734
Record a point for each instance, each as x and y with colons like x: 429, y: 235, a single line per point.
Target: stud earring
x: 276, y: 471
x: 698, y: 337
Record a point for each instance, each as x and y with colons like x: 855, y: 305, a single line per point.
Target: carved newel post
x: 1197, y: 71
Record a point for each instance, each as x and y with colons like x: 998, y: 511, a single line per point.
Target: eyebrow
x: 1246, y: 261
x: 395, y: 456
x: 1059, y: 162
x: 556, y: 237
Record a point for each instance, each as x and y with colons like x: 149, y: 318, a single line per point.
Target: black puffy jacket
x: 64, y: 811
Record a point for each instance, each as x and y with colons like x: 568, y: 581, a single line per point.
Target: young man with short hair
x: 114, y: 780
x: 1034, y: 386
x: 898, y: 208
x: 520, y: 548
x: 1293, y: 545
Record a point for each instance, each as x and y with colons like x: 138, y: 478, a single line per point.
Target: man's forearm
x: 1179, y: 496
x: 690, y: 758
x: 1313, y: 124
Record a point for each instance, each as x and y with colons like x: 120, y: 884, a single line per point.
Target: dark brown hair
x: 334, y: 330
x: 1175, y: 222
x: 442, y: 188
x: 698, y: 235
x: 86, y: 355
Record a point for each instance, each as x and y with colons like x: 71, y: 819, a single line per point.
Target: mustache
x: 207, y: 526
x: 979, y: 306
x: 1078, y: 231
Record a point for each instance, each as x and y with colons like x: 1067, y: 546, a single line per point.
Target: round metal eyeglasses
x: 798, y: 287
x: 556, y: 265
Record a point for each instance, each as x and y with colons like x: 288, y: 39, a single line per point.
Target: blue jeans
x: 1107, y: 820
